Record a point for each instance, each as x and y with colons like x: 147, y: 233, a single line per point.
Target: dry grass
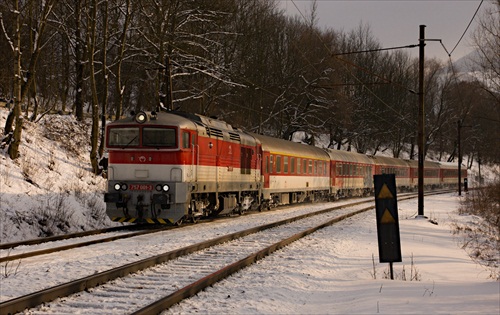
x: 481, y: 238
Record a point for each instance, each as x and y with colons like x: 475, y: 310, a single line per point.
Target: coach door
x: 368, y: 177
x: 268, y: 162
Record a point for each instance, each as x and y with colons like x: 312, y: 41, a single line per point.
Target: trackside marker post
x: 386, y: 208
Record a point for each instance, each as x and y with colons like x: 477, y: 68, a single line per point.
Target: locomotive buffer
x: 386, y: 208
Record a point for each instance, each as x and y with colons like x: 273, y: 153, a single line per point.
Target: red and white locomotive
x: 167, y: 167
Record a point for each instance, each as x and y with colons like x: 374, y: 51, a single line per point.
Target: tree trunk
x: 119, y: 88
x: 91, y: 40
x: 78, y: 64
x: 16, y: 118
x: 105, y: 73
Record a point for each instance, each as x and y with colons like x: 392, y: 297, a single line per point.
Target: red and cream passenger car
x: 293, y: 172
x: 351, y: 174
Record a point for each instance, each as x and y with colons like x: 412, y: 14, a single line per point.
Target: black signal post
x: 421, y: 121
x: 386, y: 209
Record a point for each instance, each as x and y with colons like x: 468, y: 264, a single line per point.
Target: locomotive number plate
x: 141, y: 187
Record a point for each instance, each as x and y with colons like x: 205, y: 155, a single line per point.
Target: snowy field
x: 333, y: 272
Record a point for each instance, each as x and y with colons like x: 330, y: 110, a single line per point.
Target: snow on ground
x: 333, y: 272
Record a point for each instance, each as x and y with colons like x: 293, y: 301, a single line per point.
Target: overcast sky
x: 396, y: 22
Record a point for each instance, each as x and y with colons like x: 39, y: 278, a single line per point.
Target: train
x: 170, y: 167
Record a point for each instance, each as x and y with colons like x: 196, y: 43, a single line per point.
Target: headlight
x: 117, y: 186
x: 158, y: 187
x: 124, y: 187
x: 141, y: 117
x: 166, y: 188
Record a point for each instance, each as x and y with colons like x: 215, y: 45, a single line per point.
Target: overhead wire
x: 250, y: 83
x: 345, y: 62
x: 450, y: 61
x: 466, y: 29
x: 366, y: 71
x: 400, y: 47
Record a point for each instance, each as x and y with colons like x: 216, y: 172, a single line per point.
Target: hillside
x: 50, y: 188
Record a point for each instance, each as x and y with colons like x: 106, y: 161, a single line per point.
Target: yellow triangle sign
x: 385, y: 193
x: 387, y: 217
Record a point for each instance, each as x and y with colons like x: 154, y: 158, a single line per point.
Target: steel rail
x: 81, y: 244
x: 42, y: 240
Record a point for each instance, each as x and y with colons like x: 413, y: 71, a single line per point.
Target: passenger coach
x: 293, y: 172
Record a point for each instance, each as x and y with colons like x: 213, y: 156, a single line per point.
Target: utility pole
x: 421, y: 121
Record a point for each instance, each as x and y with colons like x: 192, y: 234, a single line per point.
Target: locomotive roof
x: 285, y: 147
x: 207, y: 121
x: 162, y: 118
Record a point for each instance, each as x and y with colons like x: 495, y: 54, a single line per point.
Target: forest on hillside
x: 245, y: 62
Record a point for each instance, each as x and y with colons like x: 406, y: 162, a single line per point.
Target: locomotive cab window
x: 123, y: 137
x: 158, y: 137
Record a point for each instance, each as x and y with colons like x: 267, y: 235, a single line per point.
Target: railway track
x: 54, y: 238
x: 9, y: 251
x: 188, y: 270
x: 16, y: 250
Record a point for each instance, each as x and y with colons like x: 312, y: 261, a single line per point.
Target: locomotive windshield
x: 147, y: 137
x: 158, y: 137
x: 123, y: 137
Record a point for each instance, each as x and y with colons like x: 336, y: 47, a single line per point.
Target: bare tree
x: 24, y: 76
x: 486, y: 39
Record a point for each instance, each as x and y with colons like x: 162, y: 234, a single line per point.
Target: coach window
x: 292, y: 165
x: 271, y: 165
x: 266, y: 165
x: 304, y: 162
x: 285, y: 164
x: 278, y: 164
x: 298, y: 166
